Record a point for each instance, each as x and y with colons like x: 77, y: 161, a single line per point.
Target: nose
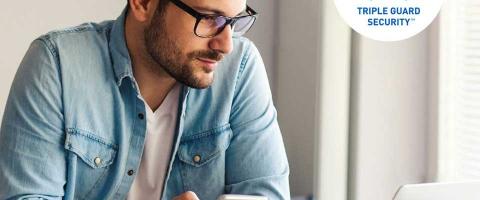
x: 222, y: 42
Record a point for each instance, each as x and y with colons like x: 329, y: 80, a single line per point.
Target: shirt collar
x: 122, y: 65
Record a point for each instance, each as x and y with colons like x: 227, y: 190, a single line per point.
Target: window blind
x: 459, y: 87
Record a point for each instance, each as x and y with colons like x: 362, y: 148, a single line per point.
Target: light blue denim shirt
x: 74, y: 124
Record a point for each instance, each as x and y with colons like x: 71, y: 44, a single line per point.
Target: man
x: 166, y: 102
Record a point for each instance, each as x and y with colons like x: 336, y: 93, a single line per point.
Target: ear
x: 143, y: 10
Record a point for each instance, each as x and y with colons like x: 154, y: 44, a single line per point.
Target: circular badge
x: 388, y: 20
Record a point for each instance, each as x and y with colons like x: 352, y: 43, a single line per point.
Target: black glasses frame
x: 228, y: 20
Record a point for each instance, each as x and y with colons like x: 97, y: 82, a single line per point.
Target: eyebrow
x: 216, y: 11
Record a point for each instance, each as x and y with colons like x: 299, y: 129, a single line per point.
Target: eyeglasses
x: 208, y: 25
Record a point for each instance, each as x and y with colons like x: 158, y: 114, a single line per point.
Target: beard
x: 169, y: 57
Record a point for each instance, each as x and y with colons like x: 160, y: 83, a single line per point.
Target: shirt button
x: 141, y: 116
x: 97, y: 161
x: 130, y: 172
x: 197, y: 158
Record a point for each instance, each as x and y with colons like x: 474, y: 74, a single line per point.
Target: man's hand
x: 187, y: 196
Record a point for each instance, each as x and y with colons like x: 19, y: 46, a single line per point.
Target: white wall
x: 297, y: 78
x: 389, y: 117
x: 389, y: 104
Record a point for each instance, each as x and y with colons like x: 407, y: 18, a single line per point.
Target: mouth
x: 208, y: 64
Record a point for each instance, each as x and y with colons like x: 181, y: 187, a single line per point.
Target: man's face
x: 171, y: 42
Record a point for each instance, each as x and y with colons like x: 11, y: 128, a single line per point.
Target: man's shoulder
x: 78, y: 44
x: 80, y: 34
x: 242, y: 45
x: 243, y: 58
x: 81, y: 53
x: 244, y: 51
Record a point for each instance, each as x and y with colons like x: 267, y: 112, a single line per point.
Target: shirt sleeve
x: 256, y: 162
x: 32, y: 157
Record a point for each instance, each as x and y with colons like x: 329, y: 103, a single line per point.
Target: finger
x: 187, y: 196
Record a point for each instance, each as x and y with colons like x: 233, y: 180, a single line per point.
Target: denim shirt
x: 74, y: 124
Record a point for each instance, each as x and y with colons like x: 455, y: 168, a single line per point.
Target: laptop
x: 467, y: 190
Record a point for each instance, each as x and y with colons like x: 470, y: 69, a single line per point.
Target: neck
x: 154, y: 83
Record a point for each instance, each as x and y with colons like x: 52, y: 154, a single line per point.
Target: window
x: 459, y: 91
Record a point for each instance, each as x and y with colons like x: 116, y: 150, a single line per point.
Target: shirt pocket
x: 202, y: 161
x: 93, y: 150
x: 89, y: 161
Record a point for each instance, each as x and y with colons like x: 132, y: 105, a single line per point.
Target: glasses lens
x: 243, y: 24
x: 209, y: 25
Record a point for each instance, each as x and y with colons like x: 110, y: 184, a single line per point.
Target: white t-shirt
x: 148, y: 184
